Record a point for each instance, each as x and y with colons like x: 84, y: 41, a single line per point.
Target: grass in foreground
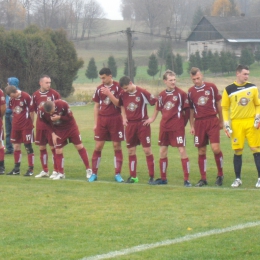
x: 72, y: 219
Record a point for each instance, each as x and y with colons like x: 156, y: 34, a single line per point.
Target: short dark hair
x: 10, y: 89
x: 194, y: 71
x: 48, y: 106
x: 241, y: 67
x: 168, y: 72
x: 106, y: 71
x: 124, y: 81
x: 44, y: 76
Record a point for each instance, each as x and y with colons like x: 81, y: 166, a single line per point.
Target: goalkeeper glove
x: 257, y: 121
x: 227, y: 129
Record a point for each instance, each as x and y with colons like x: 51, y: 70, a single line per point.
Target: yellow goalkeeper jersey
x: 240, y: 101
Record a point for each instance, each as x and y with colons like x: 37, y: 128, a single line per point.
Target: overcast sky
x: 111, y: 9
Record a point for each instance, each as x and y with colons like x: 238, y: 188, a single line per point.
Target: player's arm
x: 192, y: 131
x: 123, y: 113
x: 220, y: 115
x: 186, y: 114
x: 66, y: 115
x: 257, y: 110
x: 2, y: 110
x: 152, y: 118
x: 109, y: 94
x: 225, y: 104
x: 32, y: 116
x: 96, y: 110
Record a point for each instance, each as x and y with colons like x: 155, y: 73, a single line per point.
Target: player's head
x: 126, y: 84
x: 45, y: 83
x: 49, y: 107
x: 105, y: 75
x: 196, y: 76
x: 12, y: 91
x: 169, y: 79
x: 242, y: 73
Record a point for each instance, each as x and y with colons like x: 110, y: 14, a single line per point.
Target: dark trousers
x: 8, y: 130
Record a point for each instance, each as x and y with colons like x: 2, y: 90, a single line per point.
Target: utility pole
x: 130, y: 56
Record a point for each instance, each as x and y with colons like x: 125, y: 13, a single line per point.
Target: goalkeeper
x: 241, y: 105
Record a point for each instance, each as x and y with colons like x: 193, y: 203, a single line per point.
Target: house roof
x: 233, y: 29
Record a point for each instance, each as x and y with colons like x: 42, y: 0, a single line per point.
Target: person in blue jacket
x: 8, y: 117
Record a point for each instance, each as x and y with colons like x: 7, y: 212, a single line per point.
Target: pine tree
x: 224, y: 61
x: 91, y: 72
x: 170, y: 62
x: 197, y: 17
x: 112, y: 65
x: 215, y: 65
x: 192, y: 62
x: 247, y: 57
x: 179, y: 65
x: 152, y: 66
x: 231, y: 61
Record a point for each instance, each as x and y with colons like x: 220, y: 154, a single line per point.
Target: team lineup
x: 120, y: 113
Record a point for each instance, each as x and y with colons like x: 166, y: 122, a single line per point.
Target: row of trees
x: 172, y: 62
x: 223, y: 61
x: 32, y: 52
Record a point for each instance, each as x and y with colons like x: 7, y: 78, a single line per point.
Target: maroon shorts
x: 173, y: 138
x: 43, y: 137
x: 136, y: 133
x: 22, y: 136
x: 68, y: 136
x: 206, y: 130
x: 109, y: 129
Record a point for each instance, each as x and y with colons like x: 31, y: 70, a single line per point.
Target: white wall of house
x: 215, y: 45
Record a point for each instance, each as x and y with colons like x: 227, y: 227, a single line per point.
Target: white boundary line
x: 144, y: 247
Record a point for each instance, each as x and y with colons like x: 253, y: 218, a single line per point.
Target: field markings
x: 144, y: 247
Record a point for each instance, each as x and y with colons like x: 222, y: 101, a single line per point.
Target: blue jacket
x: 14, y: 82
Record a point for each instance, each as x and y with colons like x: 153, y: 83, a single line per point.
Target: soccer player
x: 59, y: 120
x: 174, y: 105
x: 241, y: 105
x: 133, y: 101
x: 22, y: 128
x: 43, y: 136
x: 8, y: 117
x: 108, y: 123
x: 2, y: 113
x: 204, y: 107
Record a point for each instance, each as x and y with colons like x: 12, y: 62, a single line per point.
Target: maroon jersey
x: 135, y: 104
x: 2, y: 103
x: 171, y: 104
x: 203, y: 100
x: 107, y: 108
x: 66, y: 122
x: 21, y: 108
x: 38, y: 99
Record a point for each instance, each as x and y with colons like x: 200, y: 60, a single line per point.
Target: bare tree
x: 91, y: 17
x: 12, y: 14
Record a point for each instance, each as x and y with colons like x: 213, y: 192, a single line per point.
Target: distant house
x: 224, y: 34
